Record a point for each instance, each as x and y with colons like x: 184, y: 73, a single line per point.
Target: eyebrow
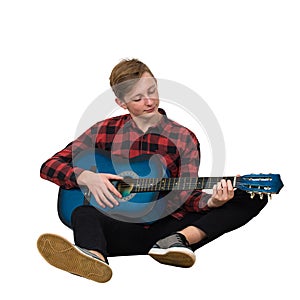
x: 138, y: 95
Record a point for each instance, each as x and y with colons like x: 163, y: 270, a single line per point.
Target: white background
x: 242, y: 57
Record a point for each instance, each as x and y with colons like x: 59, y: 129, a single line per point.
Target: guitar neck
x: 169, y: 184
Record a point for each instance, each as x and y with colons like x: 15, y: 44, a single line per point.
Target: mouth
x: 150, y: 110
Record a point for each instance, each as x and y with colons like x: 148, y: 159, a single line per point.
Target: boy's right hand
x: 100, y: 186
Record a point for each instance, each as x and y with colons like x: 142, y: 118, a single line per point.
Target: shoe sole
x: 175, y: 256
x: 61, y: 254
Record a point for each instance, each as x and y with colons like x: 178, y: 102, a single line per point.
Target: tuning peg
x: 269, y: 196
x: 252, y: 194
x: 261, y: 196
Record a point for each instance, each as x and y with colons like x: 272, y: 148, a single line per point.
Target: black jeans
x: 95, y: 231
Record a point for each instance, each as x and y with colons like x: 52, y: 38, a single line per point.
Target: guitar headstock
x: 260, y: 184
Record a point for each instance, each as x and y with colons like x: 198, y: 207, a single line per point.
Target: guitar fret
x: 177, y: 183
x: 137, y: 185
x: 162, y: 185
x: 159, y: 187
x: 155, y: 181
x: 171, y: 184
x: 140, y: 183
x: 152, y: 185
x: 195, y: 183
x: 144, y: 184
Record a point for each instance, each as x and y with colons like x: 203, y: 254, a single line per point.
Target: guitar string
x: 171, y: 183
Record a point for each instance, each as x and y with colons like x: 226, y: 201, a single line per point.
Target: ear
x: 121, y: 103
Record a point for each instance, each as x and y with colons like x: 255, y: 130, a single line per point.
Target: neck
x: 144, y: 123
x: 170, y: 184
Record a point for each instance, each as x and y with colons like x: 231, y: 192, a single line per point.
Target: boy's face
x: 143, y: 99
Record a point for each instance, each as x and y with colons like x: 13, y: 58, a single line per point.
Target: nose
x: 148, y: 101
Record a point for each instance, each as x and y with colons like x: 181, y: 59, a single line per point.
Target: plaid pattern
x: 177, y: 146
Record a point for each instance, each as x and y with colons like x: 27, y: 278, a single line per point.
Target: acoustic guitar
x: 145, y: 180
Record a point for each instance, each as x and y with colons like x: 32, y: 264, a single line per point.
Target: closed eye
x: 152, y: 90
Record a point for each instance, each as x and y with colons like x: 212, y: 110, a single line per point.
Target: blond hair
x: 125, y: 75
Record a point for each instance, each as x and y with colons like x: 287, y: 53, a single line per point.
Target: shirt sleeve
x: 59, y: 168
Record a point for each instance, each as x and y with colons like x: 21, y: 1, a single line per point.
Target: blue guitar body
x: 133, y: 207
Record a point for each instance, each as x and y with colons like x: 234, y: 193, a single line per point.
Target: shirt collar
x: 158, y: 128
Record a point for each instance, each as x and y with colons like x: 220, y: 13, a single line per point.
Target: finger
x: 229, y: 185
x: 223, y: 184
x: 219, y: 188
x: 108, y: 199
x: 214, y: 190
x: 113, y: 190
x: 104, y: 197
x: 111, y: 187
x: 230, y: 188
x: 224, y: 189
x: 113, y: 177
x: 98, y: 198
x: 109, y: 195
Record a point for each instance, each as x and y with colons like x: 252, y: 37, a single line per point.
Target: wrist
x: 209, y: 203
x: 212, y: 203
x: 82, y: 178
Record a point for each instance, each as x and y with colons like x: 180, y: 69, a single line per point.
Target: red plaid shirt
x: 120, y: 135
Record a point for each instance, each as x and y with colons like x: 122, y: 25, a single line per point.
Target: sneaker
x: 173, y: 250
x: 61, y: 254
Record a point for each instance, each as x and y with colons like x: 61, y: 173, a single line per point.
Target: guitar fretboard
x: 169, y: 184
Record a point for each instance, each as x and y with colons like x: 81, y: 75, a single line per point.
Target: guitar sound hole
x: 125, y: 186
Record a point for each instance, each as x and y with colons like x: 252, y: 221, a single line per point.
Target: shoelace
x: 182, y: 239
